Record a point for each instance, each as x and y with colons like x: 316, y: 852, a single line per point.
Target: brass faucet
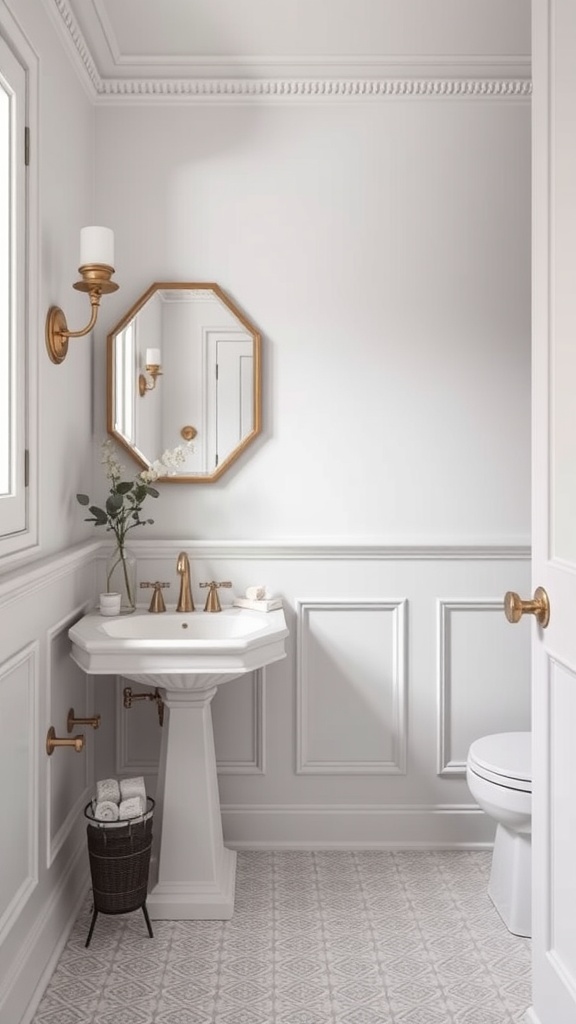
x: 185, y: 602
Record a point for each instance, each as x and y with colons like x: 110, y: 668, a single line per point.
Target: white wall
x: 382, y: 248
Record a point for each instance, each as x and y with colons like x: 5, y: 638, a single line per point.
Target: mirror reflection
x: 184, y: 369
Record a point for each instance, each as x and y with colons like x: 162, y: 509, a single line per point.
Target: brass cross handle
x: 213, y: 601
x: 515, y: 608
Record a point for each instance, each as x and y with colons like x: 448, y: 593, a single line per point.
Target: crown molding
x: 364, y: 79
x: 226, y: 90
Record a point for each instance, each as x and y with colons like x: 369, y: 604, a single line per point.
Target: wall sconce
x: 96, y: 268
x: 153, y: 368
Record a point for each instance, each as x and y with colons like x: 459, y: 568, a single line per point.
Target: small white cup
x: 110, y: 604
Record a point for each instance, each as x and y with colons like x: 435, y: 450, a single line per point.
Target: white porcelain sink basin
x: 201, y: 648
x: 187, y: 656
x: 228, y: 624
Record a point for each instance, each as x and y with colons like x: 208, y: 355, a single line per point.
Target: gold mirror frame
x: 142, y: 384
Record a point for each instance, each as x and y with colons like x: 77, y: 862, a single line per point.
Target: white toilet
x: 499, y: 776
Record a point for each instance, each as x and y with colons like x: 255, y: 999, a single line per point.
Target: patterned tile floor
x: 316, y: 938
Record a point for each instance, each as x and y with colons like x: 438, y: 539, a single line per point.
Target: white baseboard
x: 312, y: 827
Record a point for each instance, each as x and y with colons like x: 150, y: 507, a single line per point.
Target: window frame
x: 23, y: 542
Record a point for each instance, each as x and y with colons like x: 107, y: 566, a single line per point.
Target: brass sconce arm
x: 96, y: 281
x: 143, y: 385
x: 153, y: 369
x: 96, y: 269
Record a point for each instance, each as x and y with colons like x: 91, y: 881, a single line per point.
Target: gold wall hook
x: 539, y: 606
x: 53, y: 741
x: 71, y: 721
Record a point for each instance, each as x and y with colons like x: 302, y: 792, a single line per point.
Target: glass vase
x: 121, y: 577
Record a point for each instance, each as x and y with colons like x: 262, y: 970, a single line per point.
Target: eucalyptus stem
x: 121, y: 558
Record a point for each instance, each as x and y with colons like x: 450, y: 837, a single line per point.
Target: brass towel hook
x: 71, y: 721
x: 53, y: 741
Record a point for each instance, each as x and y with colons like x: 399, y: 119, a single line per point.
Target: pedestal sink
x: 187, y: 656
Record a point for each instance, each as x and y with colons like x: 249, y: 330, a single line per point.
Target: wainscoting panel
x: 483, y: 666
x: 237, y: 715
x: 239, y: 726
x: 68, y: 773
x: 351, y: 687
x: 43, y: 861
x: 19, y: 837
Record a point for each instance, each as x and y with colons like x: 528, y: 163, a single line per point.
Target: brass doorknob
x: 515, y: 607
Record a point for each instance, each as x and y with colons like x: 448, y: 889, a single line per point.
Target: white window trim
x: 25, y: 544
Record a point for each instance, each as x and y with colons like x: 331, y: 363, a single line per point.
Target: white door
x: 554, y: 510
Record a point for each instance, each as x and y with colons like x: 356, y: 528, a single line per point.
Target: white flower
x: 108, y: 459
x: 168, y: 463
x: 152, y: 473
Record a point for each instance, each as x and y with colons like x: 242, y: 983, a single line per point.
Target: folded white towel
x: 269, y: 604
x: 106, y: 810
x: 133, y: 787
x: 257, y: 593
x: 130, y: 808
x: 108, y: 789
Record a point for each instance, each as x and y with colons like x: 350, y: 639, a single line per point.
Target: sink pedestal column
x: 194, y: 873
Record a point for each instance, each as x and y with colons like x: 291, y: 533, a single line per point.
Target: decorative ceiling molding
x: 242, y: 89
x: 76, y: 38
x: 194, y: 89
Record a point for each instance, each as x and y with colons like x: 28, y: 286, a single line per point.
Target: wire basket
x: 119, y: 854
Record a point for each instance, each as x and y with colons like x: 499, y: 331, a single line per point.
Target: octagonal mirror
x: 184, y: 369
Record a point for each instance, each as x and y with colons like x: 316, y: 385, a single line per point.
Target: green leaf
x: 83, y: 499
x: 114, y: 504
x: 100, y: 517
x: 151, y: 521
x: 152, y: 492
x: 124, y: 486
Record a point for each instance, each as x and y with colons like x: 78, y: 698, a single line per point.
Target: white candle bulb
x: 153, y: 357
x: 96, y: 246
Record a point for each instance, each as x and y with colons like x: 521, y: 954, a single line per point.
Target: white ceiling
x: 199, y: 39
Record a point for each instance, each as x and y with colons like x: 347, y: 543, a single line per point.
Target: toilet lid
x: 505, y: 758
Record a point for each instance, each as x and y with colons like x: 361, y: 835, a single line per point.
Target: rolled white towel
x: 107, y: 789
x: 133, y: 787
x: 257, y: 593
x: 106, y: 810
x: 130, y: 808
